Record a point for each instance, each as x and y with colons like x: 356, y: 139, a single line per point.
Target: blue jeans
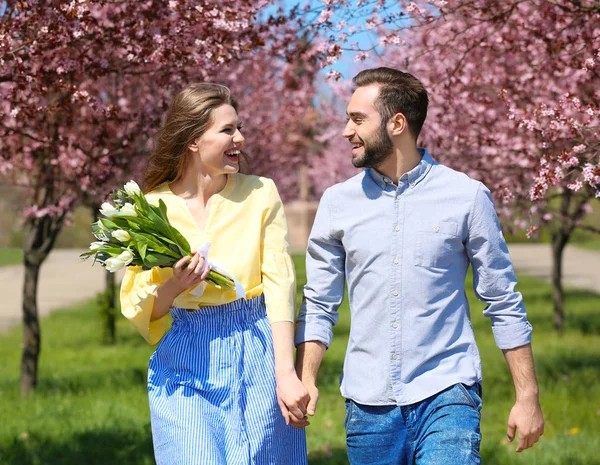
x: 440, y: 430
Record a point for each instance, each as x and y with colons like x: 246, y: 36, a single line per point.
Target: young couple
x: 222, y: 384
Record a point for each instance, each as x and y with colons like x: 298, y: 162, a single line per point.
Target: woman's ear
x: 193, y: 146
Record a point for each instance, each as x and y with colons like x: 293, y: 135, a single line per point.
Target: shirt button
x: 394, y: 325
x: 436, y: 228
x: 394, y: 356
x: 396, y: 261
x: 387, y: 180
x: 397, y: 228
x: 398, y: 196
x: 412, y: 185
x: 395, y: 293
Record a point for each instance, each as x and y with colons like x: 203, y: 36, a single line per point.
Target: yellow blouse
x: 248, y: 234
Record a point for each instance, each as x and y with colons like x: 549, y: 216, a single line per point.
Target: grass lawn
x: 591, y: 245
x: 11, y: 256
x: 91, y: 406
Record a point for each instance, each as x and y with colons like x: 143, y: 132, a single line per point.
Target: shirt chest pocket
x: 437, y: 244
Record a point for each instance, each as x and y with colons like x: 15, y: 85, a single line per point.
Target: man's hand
x: 526, y: 418
x: 313, y: 393
x: 308, y: 359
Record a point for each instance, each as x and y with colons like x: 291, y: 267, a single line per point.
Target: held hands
x: 293, y: 399
x: 311, y: 408
x: 526, y: 418
x: 190, y: 271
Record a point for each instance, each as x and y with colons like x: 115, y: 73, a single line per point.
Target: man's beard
x: 375, y: 151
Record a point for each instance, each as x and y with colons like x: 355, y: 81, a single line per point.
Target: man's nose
x: 348, y: 131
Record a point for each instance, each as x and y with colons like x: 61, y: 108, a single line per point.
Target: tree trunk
x: 31, y: 329
x: 108, y: 310
x: 559, y: 241
x: 39, y: 236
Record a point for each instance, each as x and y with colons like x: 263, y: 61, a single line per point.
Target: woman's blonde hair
x: 188, y: 118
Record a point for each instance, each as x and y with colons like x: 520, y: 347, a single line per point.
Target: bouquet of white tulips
x: 135, y: 232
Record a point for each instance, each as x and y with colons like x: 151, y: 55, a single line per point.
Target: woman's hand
x: 293, y: 399
x: 187, y: 272
x: 190, y: 271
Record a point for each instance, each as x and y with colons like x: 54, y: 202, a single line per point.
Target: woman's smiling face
x: 218, y: 149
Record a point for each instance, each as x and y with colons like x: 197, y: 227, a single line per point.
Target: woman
x: 218, y: 375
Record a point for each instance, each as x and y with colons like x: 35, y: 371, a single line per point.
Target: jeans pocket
x: 471, y: 395
x: 349, y: 409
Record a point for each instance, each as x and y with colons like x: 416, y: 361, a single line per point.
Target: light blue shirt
x: 404, y: 252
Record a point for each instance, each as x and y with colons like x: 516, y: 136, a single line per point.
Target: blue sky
x: 346, y: 64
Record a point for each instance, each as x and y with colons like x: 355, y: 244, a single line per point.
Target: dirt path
x: 65, y: 280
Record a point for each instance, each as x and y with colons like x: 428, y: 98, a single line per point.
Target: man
x: 402, y: 234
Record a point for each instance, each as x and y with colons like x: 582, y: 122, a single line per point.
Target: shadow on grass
x: 332, y: 457
x: 587, y: 318
x: 77, y: 382
x: 88, y: 382
x: 506, y: 455
x: 91, y: 448
x: 111, y: 447
x: 558, y: 366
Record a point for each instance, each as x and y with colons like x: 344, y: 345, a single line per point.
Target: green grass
x: 11, y: 256
x: 91, y: 403
x: 590, y: 245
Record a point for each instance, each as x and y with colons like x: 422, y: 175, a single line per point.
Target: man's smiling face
x: 371, y: 143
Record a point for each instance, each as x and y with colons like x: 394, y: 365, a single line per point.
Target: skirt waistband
x: 250, y: 307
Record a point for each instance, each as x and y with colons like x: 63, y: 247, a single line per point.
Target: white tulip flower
x: 121, y: 235
x: 132, y: 188
x: 127, y: 210
x: 96, y: 245
x: 108, y: 210
x: 116, y: 263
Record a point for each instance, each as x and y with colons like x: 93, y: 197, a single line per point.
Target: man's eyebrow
x: 356, y: 114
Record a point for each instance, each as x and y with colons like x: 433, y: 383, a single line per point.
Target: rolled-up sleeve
x: 324, y: 291
x: 494, y: 279
x: 277, y: 268
x: 138, y: 293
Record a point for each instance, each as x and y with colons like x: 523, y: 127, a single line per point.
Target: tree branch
x: 589, y: 228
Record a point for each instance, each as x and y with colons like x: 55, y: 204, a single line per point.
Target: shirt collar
x: 413, y: 177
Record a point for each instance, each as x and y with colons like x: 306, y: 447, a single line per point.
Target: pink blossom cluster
x: 83, y: 86
x: 514, y: 96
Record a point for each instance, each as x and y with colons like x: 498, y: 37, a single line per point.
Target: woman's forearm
x: 165, y: 295
x: 283, y: 346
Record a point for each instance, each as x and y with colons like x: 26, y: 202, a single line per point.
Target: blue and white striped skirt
x: 211, y: 385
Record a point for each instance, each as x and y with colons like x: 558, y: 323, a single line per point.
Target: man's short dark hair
x: 398, y: 93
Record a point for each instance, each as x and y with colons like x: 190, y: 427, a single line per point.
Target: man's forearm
x: 309, y: 356
x: 526, y: 416
x: 520, y: 364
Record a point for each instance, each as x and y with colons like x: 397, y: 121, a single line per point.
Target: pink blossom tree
x: 515, y: 99
x: 276, y: 109
x: 83, y: 85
